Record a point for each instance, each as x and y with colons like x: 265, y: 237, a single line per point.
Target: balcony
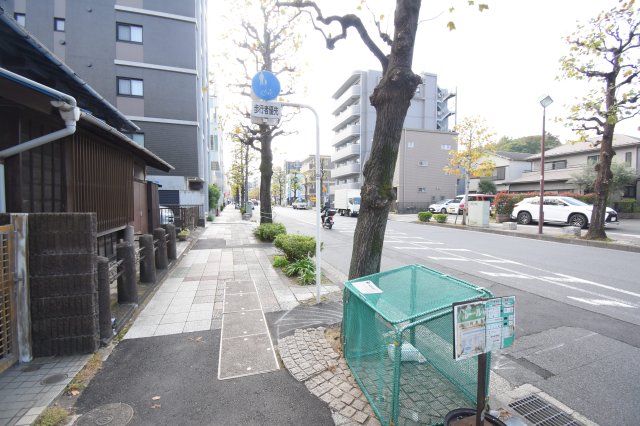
x: 348, y: 134
x: 352, y: 113
x: 346, y: 152
x: 347, y: 98
x: 347, y: 170
x: 350, y: 185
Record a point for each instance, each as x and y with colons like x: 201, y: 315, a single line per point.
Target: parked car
x: 566, y: 210
x: 166, y: 215
x: 440, y: 207
x: 457, y: 205
x: 300, y: 205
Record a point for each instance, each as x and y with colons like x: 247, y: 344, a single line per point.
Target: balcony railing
x: 346, y: 170
x: 345, y: 152
x: 347, y: 97
x: 350, y: 113
x: 349, y: 133
x: 350, y: 185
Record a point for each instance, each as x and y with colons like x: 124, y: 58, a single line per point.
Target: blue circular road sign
x: 265, y: 85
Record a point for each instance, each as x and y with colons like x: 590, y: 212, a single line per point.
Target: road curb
x: 564, y: 240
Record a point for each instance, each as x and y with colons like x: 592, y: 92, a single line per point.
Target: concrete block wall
x: 63, y: 283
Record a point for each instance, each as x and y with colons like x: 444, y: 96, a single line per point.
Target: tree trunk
x: 601, y: 186
x: 266, y: 172
x: 603, y: 167
x: 391, y: 99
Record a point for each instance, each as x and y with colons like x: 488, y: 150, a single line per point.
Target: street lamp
x: 545, y: 102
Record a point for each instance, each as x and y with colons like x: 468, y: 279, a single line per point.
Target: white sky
x: 500, y: 62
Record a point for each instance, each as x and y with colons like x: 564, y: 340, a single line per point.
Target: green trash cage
x: 398, y: 343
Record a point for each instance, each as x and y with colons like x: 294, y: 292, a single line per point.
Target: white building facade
x: 354, y: 121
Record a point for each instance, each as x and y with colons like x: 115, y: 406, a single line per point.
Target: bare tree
x: 266, y: 42
x: 605, y: 52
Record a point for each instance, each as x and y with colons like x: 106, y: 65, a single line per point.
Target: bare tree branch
x: 346, y: 22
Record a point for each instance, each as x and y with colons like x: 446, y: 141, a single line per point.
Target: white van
x: 457, y: 205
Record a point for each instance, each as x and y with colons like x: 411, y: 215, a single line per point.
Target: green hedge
x: 269, y: 231
x: 296, y: 247
x: 424, y: 216
x: 440, y: 217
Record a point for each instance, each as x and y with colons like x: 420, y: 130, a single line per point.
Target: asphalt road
x: 577, y: 307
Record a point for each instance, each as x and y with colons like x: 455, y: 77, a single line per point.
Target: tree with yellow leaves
x: 475, y: 144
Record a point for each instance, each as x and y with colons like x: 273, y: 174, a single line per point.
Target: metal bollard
x: 172, y: 252
x: 127, y: 291
x: 161, y: 249
x: 147, y: 259
x: 104, y: 300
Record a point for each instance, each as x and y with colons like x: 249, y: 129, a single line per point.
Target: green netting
x: 399, y: 345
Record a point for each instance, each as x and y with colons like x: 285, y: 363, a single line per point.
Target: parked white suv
x: 300, y: 205
x: 440, y: 207
x: 567, y: 210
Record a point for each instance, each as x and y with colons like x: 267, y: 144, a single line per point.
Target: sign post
x: 265, y: 85
x: 480, y: 326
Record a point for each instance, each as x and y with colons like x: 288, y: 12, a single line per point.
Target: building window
x: 130, y: 87
x: 627, y: 159
x: 410, y: 144
x: 58, y: 24
x: 593, y: 159
x: 136, y: 137
x: 422, y: 189
x: 423, y: 163
x: 555, y: 165
x: 20, y: 18
x: 445, y: 147
x: 128, y: 32
x: 499, y: 173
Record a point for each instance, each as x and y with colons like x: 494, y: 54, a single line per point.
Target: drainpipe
x: 69, y: 113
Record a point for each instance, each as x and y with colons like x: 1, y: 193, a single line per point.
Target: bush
x: 425, y: 216
x: 295, y: 247
x: 305, y: 269
x: 280, y: 262
x: 209, y: 218
x: 626, y: 205
x: 440, y: 217
x: 269, y: 231
x: 182, y: 235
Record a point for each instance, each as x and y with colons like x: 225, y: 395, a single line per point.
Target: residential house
x: 508, y: 166
x: 570, y: 158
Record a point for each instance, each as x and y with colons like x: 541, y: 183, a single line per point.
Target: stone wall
x: 63, y: 283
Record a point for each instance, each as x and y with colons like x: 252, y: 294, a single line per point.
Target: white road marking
x: 457, y: 259
x: 581, y: 281
x: 506, y: 275
x: 602, y: 302
x: 452, y: 249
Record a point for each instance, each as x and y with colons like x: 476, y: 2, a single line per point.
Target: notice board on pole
x: 483, y: 325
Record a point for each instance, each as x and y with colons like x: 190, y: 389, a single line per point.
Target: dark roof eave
x: 149, y: 157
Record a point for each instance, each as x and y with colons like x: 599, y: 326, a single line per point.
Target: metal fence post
x: 104, y: 300
x: 161, y: 253
x: 127, y: 291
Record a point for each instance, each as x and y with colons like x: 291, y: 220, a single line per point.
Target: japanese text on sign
x: 482, y: 326
x: 266, y: 112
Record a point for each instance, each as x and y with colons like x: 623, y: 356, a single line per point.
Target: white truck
x: 347, y: 201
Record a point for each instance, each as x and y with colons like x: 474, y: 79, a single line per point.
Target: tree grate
x: 541, y: 413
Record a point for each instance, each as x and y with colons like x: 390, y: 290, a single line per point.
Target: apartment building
x: 308, y: 170
x: 354, y: 122
x: 149, y: 59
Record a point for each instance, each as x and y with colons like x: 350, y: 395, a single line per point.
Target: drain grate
x: 541, y: 413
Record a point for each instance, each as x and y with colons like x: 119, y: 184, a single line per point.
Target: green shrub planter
x: 440, y: 218
x: 424, y: 216
x: 269, y: 231
x: 296, y: 247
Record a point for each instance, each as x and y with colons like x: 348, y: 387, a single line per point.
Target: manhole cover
x: 30, y: 368
x: 53, y: 379
x: 118, y: 414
